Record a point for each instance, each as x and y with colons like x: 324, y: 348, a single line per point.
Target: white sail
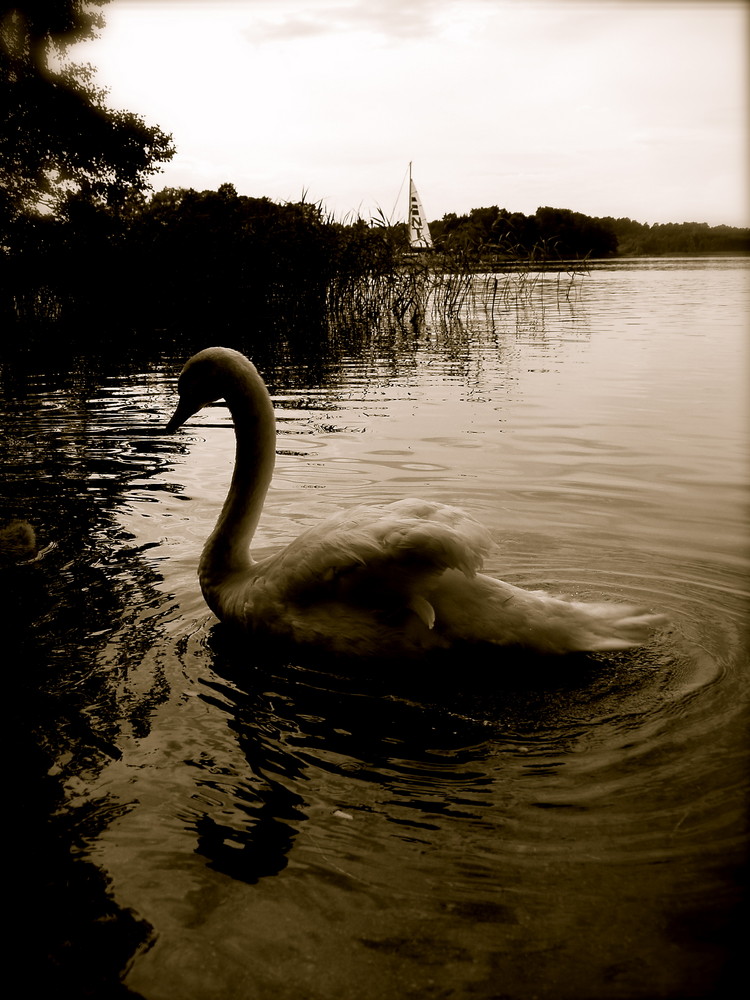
x: 419, y: 231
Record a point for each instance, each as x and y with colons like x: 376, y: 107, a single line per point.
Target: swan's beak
x: 180, y: 415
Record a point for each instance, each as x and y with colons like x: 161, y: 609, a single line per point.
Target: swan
x: 386, y: 579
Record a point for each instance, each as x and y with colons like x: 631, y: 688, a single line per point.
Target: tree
x: 57, y: 136
x: 218, y: 258
x: 572, y: 234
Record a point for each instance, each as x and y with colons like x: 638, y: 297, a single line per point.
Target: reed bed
x: 281, y: 279
x: 445, y: 289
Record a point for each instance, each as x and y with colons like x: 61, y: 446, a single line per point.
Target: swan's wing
x: 378, y: 550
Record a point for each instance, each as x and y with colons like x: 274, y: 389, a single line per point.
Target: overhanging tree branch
x: 57, y: 135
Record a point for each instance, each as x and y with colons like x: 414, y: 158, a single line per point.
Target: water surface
x: 230, y: 825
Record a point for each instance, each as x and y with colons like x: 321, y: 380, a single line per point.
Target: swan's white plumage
x: 375, y: 580
x: 411, y: 537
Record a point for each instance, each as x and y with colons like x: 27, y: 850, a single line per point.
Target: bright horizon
x: 617, y: 108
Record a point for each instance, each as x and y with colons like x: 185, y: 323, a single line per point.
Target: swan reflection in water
x: 384, y: 579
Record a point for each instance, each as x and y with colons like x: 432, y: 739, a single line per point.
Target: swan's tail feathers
x: 484, y: 609
x: 604, y: 627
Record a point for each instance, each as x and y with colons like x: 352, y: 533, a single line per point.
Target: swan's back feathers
x: 393, y: 544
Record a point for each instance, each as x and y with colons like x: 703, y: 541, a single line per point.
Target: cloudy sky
x: 609, y: 107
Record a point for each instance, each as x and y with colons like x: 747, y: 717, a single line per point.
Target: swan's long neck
x: 228, y: 547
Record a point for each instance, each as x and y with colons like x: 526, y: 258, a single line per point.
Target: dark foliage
x: 58, y: 139
x: 639, y: 239
x: 558, y: 233
x: 182, y: 263
x: 550, y: 234
x: 213, y: 258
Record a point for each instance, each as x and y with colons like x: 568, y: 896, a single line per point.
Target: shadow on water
x: 69, y: 600
x: 560, y: 764
x: 293, y: 713
x: 64, y: 719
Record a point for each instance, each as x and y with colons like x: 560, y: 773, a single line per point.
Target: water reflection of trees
x: 72, y: 644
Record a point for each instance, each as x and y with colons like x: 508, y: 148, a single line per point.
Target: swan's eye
x: 199, y: 385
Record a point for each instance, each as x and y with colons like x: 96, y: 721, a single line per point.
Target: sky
x: 617, y: 108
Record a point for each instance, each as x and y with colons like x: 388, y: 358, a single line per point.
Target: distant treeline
x: 559, y: 232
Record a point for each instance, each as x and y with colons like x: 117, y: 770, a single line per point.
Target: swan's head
x: 208, y: 376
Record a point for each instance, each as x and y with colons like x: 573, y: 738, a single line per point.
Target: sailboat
x: 419, y: 231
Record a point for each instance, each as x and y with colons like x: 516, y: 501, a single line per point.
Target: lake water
x: 197, y: 820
